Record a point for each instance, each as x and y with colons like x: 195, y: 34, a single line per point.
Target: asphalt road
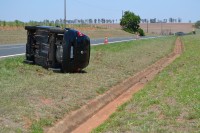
x: 10, y: 50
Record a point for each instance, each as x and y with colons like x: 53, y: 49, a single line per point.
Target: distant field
x: 166, y: 28
x: 168, y: 104
x: 33, y: 97
x: 14, y: 35
x: 157, y: 28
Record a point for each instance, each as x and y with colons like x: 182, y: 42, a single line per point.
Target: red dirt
x: 104, y: 113
x: 98, y: 110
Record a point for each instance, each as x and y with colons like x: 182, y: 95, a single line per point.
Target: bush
x: 197, y: 24
x: 141, y: 32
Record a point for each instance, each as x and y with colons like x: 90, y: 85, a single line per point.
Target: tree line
x: 57, y: 22
x: 154, y: 20
x: 11, y: 23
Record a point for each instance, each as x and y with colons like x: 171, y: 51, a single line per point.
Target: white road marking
x: 13, y: 47
x: 127, y: 40
x: 12, y: 55
x: 91, y: 44
x: 115, y: 42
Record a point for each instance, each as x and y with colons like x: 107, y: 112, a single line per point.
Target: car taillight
x: 80, y: 34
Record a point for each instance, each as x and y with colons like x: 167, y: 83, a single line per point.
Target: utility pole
x: 65, y: 21
x: 147, y: 25
x: 161, y: 27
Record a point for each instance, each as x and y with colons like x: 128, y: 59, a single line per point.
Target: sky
x: 39, y: 10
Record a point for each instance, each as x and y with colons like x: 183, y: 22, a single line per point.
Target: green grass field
x: 33, y: 97
x: 169, y: 103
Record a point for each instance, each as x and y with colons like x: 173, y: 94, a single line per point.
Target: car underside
x: 53, y: 47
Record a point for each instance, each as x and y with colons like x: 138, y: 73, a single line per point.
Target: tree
x: 17, y: 23
x: 130, y: 22
x: 95, y: 21
x: 57, y: 22
x: 197, y: 24
x: 103, y: 21
x: 113, y: 21
x: 90, y: 21
x: 4, y: 23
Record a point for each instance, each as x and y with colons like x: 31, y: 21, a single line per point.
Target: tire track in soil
x: 98, y: 110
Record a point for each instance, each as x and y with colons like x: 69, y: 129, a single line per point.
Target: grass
x: 13, y: 35
x: 169, y: 103
x: 33, y: 97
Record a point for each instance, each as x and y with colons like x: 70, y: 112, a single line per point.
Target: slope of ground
x: 170, y: 103
x: 99, y: 109
x: 32, y: 97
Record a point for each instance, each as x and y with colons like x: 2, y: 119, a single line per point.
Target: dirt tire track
x: 98, y: 110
